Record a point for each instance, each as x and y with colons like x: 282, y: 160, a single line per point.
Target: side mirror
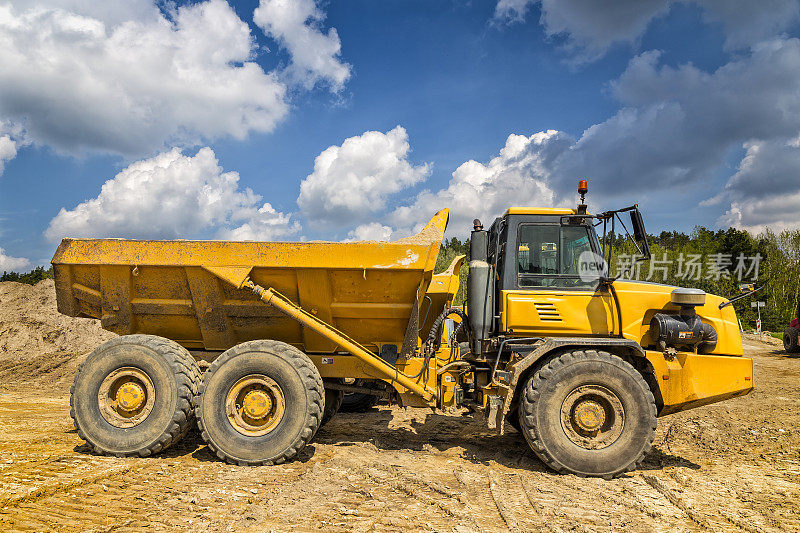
x: 639, y: 232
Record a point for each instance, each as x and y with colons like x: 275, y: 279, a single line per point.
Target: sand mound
x: 37, y: 341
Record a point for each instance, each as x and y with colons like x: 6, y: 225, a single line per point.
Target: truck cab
x: 539, y: 288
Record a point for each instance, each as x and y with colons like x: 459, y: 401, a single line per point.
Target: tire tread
x: 311, y: 379
x: 187, y: 377
x: 527, y: 407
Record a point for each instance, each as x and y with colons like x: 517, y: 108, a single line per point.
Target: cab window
x: 548, y: 255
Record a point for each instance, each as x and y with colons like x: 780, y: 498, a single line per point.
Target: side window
x: 537, y: 252
x: 547, y: 256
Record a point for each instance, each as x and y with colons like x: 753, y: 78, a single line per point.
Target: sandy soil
x: 733, y: 466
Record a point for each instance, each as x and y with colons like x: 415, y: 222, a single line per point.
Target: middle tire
x: 333, y: 401
x: 260, y: 403
x: 358, y: 402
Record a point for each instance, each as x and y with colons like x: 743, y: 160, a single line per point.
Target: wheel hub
x: 126, y: 397
x: 592, y: 417
x: 130, y: 396
x: 255, y: 405
x: 589, y: 415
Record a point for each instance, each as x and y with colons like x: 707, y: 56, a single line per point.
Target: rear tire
x: 588, y: 413
x: 133, y: 395
x: 333, y: 401
x: 275, y: 383
x: 790, y: 340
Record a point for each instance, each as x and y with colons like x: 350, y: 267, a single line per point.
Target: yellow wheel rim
x: 592, y: 417
x: 126, y: 397
x: 255, y: 405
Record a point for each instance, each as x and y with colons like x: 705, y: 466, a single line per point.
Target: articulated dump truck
x: 581, y: 366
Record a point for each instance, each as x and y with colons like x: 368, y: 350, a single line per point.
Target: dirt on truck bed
x: 733, y: 466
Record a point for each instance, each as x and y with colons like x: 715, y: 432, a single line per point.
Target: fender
x: 519, y: 369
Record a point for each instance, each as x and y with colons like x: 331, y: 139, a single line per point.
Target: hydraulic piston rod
x: 276, y: 299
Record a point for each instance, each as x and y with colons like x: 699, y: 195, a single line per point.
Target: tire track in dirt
x: 502, y: 499
x: 716, y: 498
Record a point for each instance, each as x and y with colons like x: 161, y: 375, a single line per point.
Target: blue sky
x: 691, y: 109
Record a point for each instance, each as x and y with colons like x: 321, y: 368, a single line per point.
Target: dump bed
x: 188, y: 290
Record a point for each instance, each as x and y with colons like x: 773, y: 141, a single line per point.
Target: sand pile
x: 37, y: 341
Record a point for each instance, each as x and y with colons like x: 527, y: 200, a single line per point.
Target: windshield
x: 548, y: 255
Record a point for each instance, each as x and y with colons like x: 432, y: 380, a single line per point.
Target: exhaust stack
x: 480, y: 287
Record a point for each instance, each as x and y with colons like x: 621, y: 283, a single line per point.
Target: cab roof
x: 540, y: 211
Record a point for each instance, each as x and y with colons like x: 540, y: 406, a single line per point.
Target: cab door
x: 543, y: 292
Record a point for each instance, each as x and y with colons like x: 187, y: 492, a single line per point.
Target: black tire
x: 357, y: 402
x: 174, y: 377
x: 513, y: 420
x: 333, y: 401
x: 303, y: 396
x: 589, y: 377
x: 790, y: 340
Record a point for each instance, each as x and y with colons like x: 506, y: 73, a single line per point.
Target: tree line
x: 31, y: 278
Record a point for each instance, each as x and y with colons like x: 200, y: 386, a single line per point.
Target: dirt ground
x: 733, y: 466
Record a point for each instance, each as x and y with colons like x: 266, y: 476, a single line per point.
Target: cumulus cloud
x: 520, y: 175
x: 173, y: 196
x: 353, y: 181
x: 373, y: 231
x: 765, y: 191
x: 296, y: 26
x: 259, y: 224
x: 8, y: 150
x: 124, y: 78
x: 592, y: 27
x: 677, y: 125
x: 13, y: 264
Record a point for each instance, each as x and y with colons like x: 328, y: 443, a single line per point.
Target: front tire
x: 260, y: 403
x: 133, y: 395
x: 588, y: 413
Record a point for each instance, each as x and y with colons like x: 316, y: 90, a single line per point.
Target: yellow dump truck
x: 580, y: 363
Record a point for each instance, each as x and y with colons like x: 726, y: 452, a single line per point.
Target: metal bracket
x: 494, y: 411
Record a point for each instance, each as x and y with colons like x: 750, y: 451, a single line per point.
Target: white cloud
x: 296, y: 25
x: 511, y: 10
x: 678, y: 125
x: 353, y: 181
x: 373, y: 231
x: 592, y: 27
x: 262, y: 224
x: 13, y: 264
x: 173, y: 196
x: 121, y: 77
x: 8, y: 150
x: 519, y: 175
x: 765, y: 191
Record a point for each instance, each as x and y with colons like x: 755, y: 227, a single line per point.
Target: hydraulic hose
x: 433, y: 340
